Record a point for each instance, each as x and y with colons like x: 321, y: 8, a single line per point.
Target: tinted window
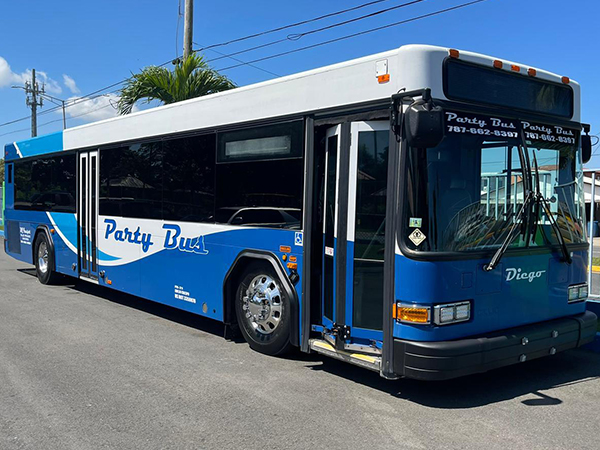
x: 493, y: 86
x: 131, y: 181
x: 46, y: 184
x: 189, y: 179
x: 170, y: 180
x: 260, y: 176
x: 267, y: 193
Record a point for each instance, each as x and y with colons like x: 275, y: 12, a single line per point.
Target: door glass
x: 93, y: 200
x: 329, y: 220
x: 83, y: 212
x: 369, y: 240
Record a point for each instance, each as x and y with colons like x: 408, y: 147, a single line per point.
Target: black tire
x: 44, y: 266
x: 267, y: 330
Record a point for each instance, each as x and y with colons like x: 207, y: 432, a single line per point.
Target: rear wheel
x: 44, y: 260
x: 263, y: 310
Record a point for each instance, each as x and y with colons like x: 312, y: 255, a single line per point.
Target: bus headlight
x: 451, y: 313
x: 578, y: 292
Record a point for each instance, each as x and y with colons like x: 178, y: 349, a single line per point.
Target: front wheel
x: 263, y: 311
x: 44, y: 260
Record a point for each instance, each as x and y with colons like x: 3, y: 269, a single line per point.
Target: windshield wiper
x: 512, y: 234
x: 540, y: 200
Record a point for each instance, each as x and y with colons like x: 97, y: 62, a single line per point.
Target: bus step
x: 359, y: 359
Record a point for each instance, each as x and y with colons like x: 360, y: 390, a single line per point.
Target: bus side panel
x: 182, y: 265
x: 65, y: 241
x: 20, y: 236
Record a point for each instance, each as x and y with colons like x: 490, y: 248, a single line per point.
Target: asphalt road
x: 82, y: 367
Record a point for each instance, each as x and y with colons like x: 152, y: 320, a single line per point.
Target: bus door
x: 87, y: 214
x: 354, y: 230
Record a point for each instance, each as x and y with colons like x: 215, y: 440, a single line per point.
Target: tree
x: 1, y: 171
x: 191, y: 78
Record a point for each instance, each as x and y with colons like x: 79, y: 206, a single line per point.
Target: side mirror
x: 424, y: 125
x: 586, y: 148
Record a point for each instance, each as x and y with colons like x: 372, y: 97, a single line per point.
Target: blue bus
x: 418, y: 212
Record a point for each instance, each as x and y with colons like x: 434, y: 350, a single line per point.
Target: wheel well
x: 43, y: 229
x: 243, y: 262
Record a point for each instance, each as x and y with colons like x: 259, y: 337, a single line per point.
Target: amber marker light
x: 565, y: 80
x: 413, y: 314
x: 531, y: 72
x: 515, y: 68
x: 453, y: 53
x: 383, y: 78
x: 497, y: 64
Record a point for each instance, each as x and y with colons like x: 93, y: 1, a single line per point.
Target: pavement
x: 83, y: 367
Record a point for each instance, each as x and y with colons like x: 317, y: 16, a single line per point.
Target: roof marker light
x: 565, y: 80
x: 515, y: 68
x: 497, y: 64
x: 531, y: 72
x: 453, y: 53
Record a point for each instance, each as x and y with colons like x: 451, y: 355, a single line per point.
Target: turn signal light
x: 413, y: 313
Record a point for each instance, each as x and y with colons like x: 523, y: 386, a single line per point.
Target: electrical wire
x: 371, y: 30
x: 298, y: 36
x: 245, y: 63
x: 296, y: 24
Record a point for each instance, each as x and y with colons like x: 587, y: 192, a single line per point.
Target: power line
x: 298, y: 36
x: 371, y: 30
x: 243, y: 62
x: 296, y: 24
x: 59, y: 120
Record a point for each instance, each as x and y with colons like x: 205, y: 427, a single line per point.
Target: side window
x: 131, y: 181
x: 260, y: 174
x: 46, y: 184
x: 23, y: 185
x: 189, y: 179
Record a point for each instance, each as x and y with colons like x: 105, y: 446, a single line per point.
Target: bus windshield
x: 465, y: 194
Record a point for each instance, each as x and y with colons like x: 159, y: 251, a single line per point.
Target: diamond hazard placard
x: 417, y: 237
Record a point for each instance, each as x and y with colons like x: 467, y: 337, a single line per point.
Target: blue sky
x: 80, y: 46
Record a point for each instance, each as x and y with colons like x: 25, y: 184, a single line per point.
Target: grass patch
x: 596, y: 261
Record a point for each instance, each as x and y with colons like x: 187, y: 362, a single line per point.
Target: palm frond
x: 190, y: 78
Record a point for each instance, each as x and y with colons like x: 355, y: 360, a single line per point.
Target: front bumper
x: 451, y: 359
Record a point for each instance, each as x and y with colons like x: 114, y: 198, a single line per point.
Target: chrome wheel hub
x: 43, y: 257
x: 262, y: 304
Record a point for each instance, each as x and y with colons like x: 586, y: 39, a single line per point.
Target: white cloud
x: 92, y: 109
x: 8, y: 78
x: 70, y: 84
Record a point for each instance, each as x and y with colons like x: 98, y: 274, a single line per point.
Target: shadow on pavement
x: 530, y: 378
x: 571, y: 367
x: 156, y: 309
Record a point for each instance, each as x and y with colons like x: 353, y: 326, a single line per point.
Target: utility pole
x: 188, y: 28
x: 33, y: 91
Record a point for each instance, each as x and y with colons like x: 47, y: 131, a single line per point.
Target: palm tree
x: 191, y: 78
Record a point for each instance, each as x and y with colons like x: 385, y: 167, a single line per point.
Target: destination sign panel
x: 537, y: 134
